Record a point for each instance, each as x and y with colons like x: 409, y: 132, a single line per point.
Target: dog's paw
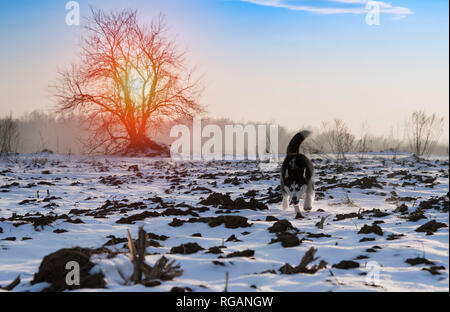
x: 299, y: 216
x: 307, y: 208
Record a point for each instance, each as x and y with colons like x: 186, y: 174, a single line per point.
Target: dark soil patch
x: 74, y: 221
x: 109, y: 207
x: 271, y: 219
x: 394, y: 236
x: 318, y: 235
x: 59, y: 231
x: 7, y: 186
x: 115, y: 240
x: 112, y: 181
x: 287, y: 240
x: 431, y: 227
x: 367, y: 229
x: 402, y: 209
x: 179, y: 212
x: 152, y: 243
x: 230, y: 222
x: 434, y: 270
x: 251, y: 193
x: 233, y: 238
x: 246, y: 253
x: 157, y: 237
x: 186, y: 249
x: 366, y: 239
x: 346, y: 264
x: 340, y: 217
x: 181, y: 289
x: 27, y: 201
x: 281, y: 226
x: 218, y: 263
x: 234, y: 181
x: 376, y: 213
x: 176, y: 222
x: 224, y: 201
x: 363, y: 183
x: 418, y: 260
x: 37, y: 220
x: 138, y: 217
x: 416, y: 216
x: 435, y: 203
x: 215, y: 250
x: 199, y: 189
x: 53, y: 270
x: 152, y: 283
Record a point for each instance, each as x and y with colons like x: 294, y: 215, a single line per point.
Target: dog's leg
x: 310, y: 194
x: 285, y: 204
x: 297, y: 206
x: 298, y: 211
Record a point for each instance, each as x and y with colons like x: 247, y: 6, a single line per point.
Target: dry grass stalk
x: 162, y: 270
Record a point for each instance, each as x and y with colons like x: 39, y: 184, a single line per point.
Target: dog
x: 297, y: 176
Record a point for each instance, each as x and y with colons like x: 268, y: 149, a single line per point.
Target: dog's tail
x: 296, y: 141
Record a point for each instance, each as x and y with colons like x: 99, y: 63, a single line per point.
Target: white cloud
x: 346, y: 7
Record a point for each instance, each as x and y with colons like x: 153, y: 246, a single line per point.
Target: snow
x: 158, y: 177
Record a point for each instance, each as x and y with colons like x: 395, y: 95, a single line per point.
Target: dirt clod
x: 418, y: 260
x: 367, y: 229
x: 53, y: 270
x: 346, y: 264
x: 281, y: 226
x: 245, y: 253
x: 186, y: 249
x: 431, y: 227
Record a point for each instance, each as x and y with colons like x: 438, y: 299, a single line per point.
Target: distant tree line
x: 67, y: 134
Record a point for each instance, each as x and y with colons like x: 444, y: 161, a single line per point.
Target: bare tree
x: 423, y: 132
x: 365, y: 142
x: 131, y: 79
x: 9, y: 136
x: 339, y: 139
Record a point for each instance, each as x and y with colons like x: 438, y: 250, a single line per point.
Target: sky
x: 296, y: 63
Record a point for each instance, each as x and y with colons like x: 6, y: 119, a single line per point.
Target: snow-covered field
x: 50, y: 202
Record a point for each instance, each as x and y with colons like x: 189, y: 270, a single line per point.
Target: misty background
x: 39, y: 131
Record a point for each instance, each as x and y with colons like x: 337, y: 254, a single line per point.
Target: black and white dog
x: 297, y: 176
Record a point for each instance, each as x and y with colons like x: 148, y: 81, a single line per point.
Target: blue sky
x: 260, y: 59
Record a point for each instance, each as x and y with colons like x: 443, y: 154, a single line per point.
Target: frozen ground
x: 53, y: 202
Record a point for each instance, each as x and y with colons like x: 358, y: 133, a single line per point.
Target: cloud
x: 335, y: 7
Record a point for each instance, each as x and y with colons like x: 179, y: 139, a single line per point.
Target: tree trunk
x: 141, y: 144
